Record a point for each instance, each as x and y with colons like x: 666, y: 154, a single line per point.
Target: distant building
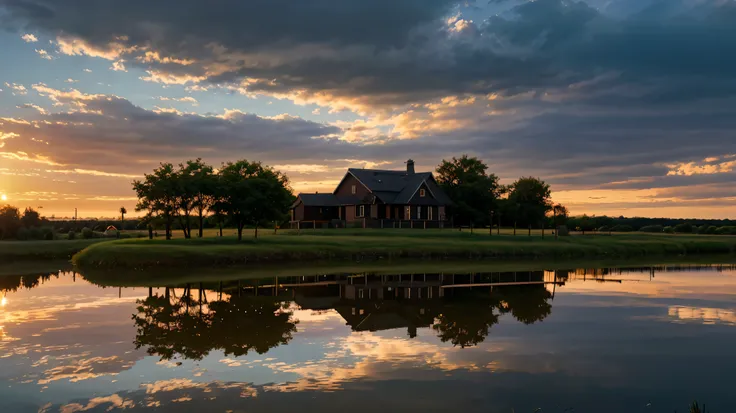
x: 374, y: 195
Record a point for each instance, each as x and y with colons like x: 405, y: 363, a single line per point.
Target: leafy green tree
x: 9, y: 221
x: 530, y: 200
x: 560, y: 215
x: 252, y: 193
x: 157, y: 195
x: 527, y: 303
x: 204, y: 189
x: 472, y: 189
x: 31, y: 218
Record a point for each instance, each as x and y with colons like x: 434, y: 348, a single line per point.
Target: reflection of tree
x: 527, y: 303
x: 14, y: 282
x: 235, y: 326
x: 466, y: 323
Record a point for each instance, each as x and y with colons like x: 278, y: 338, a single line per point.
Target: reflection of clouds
x: 370, y: 356
x: 115, y: 402
x: 84, y: 369
x: 703, y: 315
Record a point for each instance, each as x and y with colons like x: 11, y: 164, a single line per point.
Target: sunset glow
x: 90, y: 102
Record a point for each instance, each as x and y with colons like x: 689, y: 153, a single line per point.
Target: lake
x: 647, y: 339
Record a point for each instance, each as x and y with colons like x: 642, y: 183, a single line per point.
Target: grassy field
x: 15, y: 251
x: 369, y: 245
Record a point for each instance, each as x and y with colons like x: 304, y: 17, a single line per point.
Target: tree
x: 31, y: 218
x: 473, y: 191
x: 157, y: 195
x: 530, y: 199
x: 560, y: 215
x: 9, y: 221
x: 204, y: 186
x: 123, y: 211
x: 251, y: 193
x: 466, y: 323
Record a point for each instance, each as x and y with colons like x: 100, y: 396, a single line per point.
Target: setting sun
x: 3, y: 197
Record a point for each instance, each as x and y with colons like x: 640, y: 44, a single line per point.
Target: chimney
x: 410, y: 167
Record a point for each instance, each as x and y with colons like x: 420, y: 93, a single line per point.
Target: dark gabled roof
x: 398, y: 186
x: 317, y: 200
x: 378, y: 180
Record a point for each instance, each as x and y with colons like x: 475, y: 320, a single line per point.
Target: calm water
x: 638, y: 340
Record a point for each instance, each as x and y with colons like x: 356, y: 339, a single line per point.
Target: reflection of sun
x: 3, y: 301
x: 4, y: 197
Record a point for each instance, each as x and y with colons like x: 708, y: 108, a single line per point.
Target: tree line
x: 480, y: 200
x: 653, y: 225
x: 26, y: 226
x: 240, y: 193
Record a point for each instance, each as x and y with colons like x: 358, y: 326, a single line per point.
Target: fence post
x: 363, y: 223
x: 425, y: 224
x: 381, y: 224
x: 471, y: 228
x: 530, y: 230
x: 399, y: 224
x: 411, y: 224
x: 314, y: 224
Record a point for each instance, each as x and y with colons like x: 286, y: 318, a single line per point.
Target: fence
x: 371, y: 223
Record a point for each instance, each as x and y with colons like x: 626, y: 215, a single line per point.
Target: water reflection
x: 257, y: 316
x: 168, y: 326
x: 485, y: 342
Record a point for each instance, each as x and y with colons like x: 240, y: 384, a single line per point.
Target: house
x: 377, y: 197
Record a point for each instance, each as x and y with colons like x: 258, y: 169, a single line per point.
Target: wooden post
x: 314, y: 224
x: 425, y: 224
x: 411, y: 224
x: 381, y: 224
x: 471, y: 228
x: 498, y: 229
x: 514, y: 228
x: 399, y: 224
x: 530, y: 230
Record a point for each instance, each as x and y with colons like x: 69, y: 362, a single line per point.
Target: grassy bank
x: 371, y: 245
x: 122, y: 277
x: 15, y: 251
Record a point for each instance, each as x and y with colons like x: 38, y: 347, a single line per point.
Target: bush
x: 562, y: 231
x: 711, y: 230
x: 604, y: 228
x: 23, y: 234
x: 622, y: 228
x: 652, y: 228
x: 668, y: 230
x: 72, y: 235
x: 684, y: 228
x: 726, y: 231
x: 36, y: 233
x: 87, y: 233
x: 47, y: 233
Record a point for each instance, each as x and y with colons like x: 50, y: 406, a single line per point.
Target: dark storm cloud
x: 402, y: 51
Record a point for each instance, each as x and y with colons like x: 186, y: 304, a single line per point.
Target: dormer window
x: 422, y: 193
x: 354, y: 189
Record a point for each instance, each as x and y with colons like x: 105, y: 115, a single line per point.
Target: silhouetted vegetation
x: 247, y: 193
x: 668, y: 225
x: 474, y: 191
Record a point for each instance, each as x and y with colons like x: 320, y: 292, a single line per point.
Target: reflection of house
x: 387, y: 315
x: 373, y: 194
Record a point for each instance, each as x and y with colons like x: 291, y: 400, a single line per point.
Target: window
x: 430, y: 214
x: 354, y: 189
x: 419, y: 212
x: 360, y: 211
x: 422, y: 193
x: 360, y: 293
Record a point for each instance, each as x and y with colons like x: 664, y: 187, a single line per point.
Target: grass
x: 362, y: 245
x: 15, y: 251
x: 122, y: 277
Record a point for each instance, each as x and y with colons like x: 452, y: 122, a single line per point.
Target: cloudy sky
x: 627, y: 107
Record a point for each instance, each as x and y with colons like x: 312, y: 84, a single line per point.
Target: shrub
x: 604, y: 228
x: 47, y: 233
x: 684, y: 228
x: 668, y: 230
x: 36, y: 233
x: 23, y: 234
x: 711, y: 230
x: 622, y: 228
x: 652, y: 228
x: 726, y: 231
x: 72, y: 235
x: 87, y: 233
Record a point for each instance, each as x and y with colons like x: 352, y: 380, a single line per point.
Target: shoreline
x: 340, y: 248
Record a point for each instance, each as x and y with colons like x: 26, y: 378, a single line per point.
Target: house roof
x: 317, y: 200
x: 398, y: 186
x: 391, y: 187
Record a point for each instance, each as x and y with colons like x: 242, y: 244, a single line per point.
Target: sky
x: 626, y: 107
